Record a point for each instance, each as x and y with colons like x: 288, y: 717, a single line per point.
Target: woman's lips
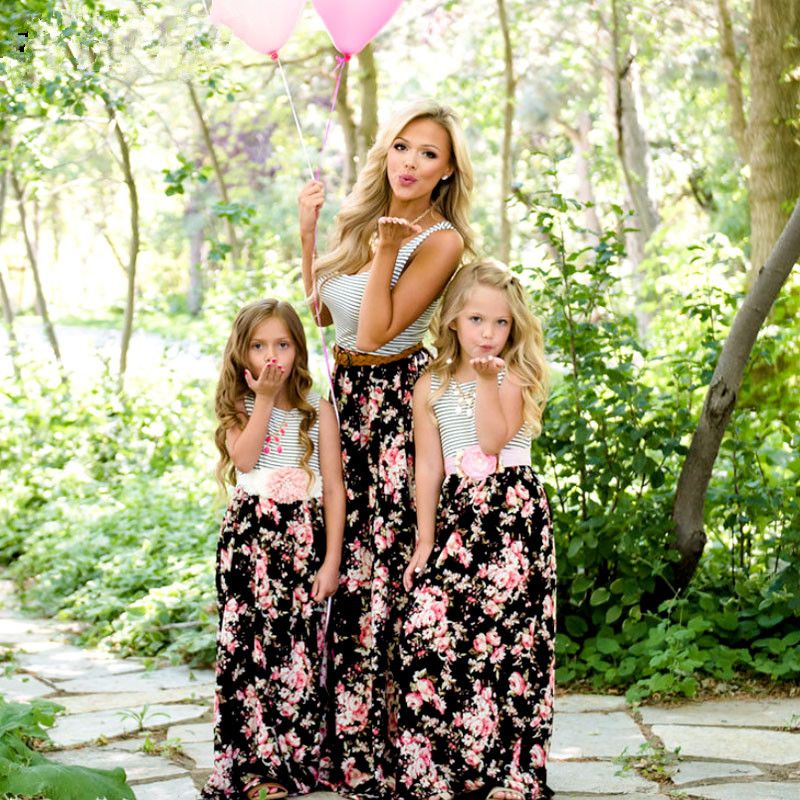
x: 407, y: 180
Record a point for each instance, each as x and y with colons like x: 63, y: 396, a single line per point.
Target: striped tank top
x: 455, y: 416
x: 288, y: 451
x: 342, y: 295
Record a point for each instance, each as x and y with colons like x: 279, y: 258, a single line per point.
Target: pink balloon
x: 352, y: 24
x: 264, y: 25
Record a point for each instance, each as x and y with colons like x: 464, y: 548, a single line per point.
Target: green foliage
x: 27, y: 773
x: 105, y: 508
x: 616, y: 431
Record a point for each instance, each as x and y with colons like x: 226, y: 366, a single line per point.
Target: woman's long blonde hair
x: 524, y: 349
x: 357, y: 220
x: 232, y: 387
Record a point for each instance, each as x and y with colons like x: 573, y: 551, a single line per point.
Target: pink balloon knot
x: 347, y: 56
x: 274, y: 55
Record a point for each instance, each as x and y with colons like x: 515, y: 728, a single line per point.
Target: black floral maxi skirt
x: 374, y: 405
x: 268, y: 710
x: 477, y: 650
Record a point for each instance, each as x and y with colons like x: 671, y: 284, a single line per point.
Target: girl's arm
x: 244, y: 444
x: 311, y: 198
x: 498, y: 409
x: 386, y: 311
x: 428, y: 477
x: 333, y: 499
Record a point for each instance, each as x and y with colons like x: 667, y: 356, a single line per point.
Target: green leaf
x: 599, y: 596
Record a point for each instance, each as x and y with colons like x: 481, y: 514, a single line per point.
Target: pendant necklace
x: 274, y: 439
x: 465, y: 399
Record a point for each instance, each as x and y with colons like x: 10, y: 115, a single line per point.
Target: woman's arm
x: 498, y: 409
x: 311, y: 199
x: 428, y: 477
x: 386, y: 311
x: 244, y: 444
x: 333, y: 502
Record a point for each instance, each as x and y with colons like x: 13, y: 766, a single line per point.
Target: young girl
x: 479, y: 635
x: 279, y: 444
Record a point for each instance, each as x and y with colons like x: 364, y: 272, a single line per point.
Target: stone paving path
x: 156, y: 724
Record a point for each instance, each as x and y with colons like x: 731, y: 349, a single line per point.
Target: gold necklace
x: 465, y: 400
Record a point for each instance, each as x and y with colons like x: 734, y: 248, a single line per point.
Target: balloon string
x: 341, y: 61
x: 277, y: 60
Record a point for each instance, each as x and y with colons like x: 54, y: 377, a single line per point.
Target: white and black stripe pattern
x: 456, y: 428
x: 342, y: 294
x: 292, y: 450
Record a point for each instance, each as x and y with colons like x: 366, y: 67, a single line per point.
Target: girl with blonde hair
x: 477, y: 652
x: 278, y: 559
x: 398, y: 238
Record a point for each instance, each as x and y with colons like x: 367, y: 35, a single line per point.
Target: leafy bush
x: 615, y: 434
x: 25, y: 772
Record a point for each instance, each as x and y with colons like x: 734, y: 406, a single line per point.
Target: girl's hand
x: 268, y: 382
x: 393, y: 230
x: 487, y: 366
x: 416, y: 564
x: 311, y: 200
x: 326, y: 582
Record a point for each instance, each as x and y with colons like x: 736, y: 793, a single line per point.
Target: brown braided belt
x: 353, y: 358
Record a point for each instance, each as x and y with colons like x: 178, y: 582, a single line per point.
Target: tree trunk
x: 194, y: 297
x: 368, y: 78
x: 733, y: 78
x: 8, y: 311
x: 218, y: 173
x: 40, y: 301
x: 133, y: 247
x: 345, y: 114
x: 509, y: 109
x: 580, y: 141
x: 773, y: 144
x: 721, y: 397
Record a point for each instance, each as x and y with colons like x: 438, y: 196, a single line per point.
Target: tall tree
x: 720, y: 401
x: 768, y: 142
x: 509, y: 109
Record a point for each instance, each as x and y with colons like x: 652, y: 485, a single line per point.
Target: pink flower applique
x: 286, y: 484
x: 476, y: 464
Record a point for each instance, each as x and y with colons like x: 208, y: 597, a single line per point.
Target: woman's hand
x: 487, y: 366
x: 326, y: 582
x: 393, y: 230
x: 268, y: 382
x: 311, y: 200
x: 420, y: 558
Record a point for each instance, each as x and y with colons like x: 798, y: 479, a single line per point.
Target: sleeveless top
x: 342, y: 295
x: 457, y: 427
x: 288, y: 451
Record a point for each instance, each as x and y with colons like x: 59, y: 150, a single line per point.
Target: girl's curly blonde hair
x: 523, y: 352
x: 232, y: 387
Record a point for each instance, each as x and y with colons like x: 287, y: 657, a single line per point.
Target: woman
x: 398, y: 239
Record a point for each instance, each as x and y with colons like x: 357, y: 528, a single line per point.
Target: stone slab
x: 63, y: 662
x: 153, y: 680
x: 202, y: 753
x: 767, y: 713
x: 137, y: 766
x: 581, y: 703
x: 83, y: 728
x: 594, y: 735
x: 698, y: 771
x: 760, y: 790
x: 587, y: 776
x: 181, y: 789
x: 80, y: 703
x: 634, y: 796
x: 201, y: 732
x: 22, y: 688
x: 324, y: 796
x: 731, y: 744
x: 16, y: 631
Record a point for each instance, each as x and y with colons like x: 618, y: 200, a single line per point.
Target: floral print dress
x: 478, y: 639
x: 268, y: 712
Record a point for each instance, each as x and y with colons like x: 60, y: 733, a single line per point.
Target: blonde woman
x: 398, y: 239
x: 477, y: 652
